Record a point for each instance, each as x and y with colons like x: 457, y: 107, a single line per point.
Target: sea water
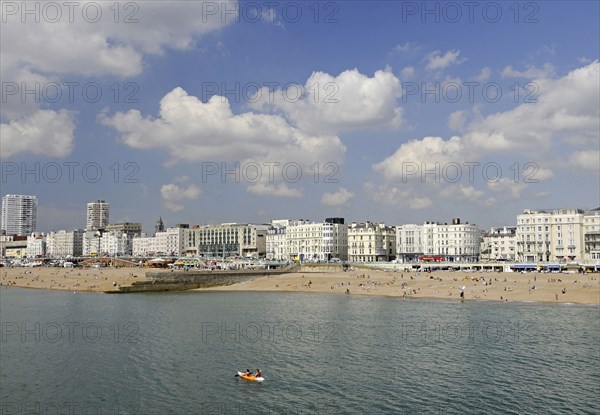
x: 178, y: 353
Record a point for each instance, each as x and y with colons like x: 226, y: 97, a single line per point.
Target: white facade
x: 550, y: 235
x: 317, y: 241
x: 144, y: 246
x: 19, y: 214
x: 499, y: 244
x: 91, y: 243
x: 36, y: 245
x: 454, y: 242
x: 227, y: 239
x: 370, y: 242
x: 591, y: 232
x: 276, y: 245
x: 96, y: 243
x: 115, y: 243
x: 276, y: 242
x: 170, y: 242
x: 97, y: 215
x: 62, y: 243
x: 409, y: 242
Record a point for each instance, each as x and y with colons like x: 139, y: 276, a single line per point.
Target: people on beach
x: 462, y: 292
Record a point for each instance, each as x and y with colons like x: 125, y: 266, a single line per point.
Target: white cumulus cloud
x: 437, y: 61
x: 531, y: 72
x: 173, y: 195
x: 45, y: 132
x: 330, y: 103
x: 339, y: 197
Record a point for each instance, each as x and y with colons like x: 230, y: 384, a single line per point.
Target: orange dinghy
x: 250, y: 378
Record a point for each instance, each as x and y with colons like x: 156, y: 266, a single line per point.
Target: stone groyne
x: 188, y: 280
x: 321, y: 267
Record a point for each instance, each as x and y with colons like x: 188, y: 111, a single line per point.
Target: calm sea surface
x: 177, y: 353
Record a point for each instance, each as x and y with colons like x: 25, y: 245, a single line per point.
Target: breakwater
x: 189, y: 280
x: 323, y: 267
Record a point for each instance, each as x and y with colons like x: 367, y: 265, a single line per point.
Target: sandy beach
x: 563, y: 288
x: 70, y: 279
x: 492, y: 286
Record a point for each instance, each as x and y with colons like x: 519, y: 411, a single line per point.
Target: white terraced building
x: 371, y: 242
x: 409, y: 242
x: 550, y: 235
x: 454, y: 242
x: 170, y: 242
x: 276, y: 241
x: 318, y: 241
x: 36, y: 245
x: 226, y: 240
x: 115, y: 243
x: 499, y: 244
x: 64, y: 243
x: 591, y: 230
x: 144, y: 246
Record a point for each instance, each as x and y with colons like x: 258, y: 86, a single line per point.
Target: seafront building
x: 114, y: 243
x: 226, y: 240
x: 36, y: 245
x: 13, y: 246
x: 499, y: 244
x: 131, y: 229
x: 64, y: 243
x: 371, y: 242
x: 276, y: 242
x: 18, y: 215
x: 97, y: 215
x: 435, y: 241
x: 540, y: 236
x: 318, y: 241
x: 548, y: 235
x: 169, y: 242
x: 456, y: 242
x: 144, y: 246
x: 409, y: 242
x: 591, y: 235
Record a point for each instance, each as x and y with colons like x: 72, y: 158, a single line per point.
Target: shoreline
x: 580, y: 289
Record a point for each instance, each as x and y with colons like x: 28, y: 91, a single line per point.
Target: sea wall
x: 188, y: 280
x: 322, y: 267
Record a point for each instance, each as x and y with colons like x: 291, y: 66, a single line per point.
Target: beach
x: 491, y: 286
x: 482, y: 286
x: 70, y: 279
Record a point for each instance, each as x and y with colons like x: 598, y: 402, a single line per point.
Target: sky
x: 224, y: 111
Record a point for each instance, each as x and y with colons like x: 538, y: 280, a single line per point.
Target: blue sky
x: 369, y: 142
